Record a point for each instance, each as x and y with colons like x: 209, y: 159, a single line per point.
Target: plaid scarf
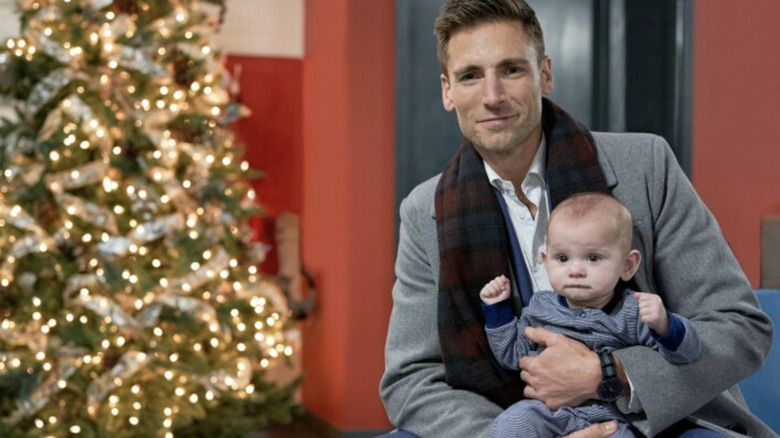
x: 473, y: 248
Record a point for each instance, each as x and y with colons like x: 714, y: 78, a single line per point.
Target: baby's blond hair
x: 601, y: 207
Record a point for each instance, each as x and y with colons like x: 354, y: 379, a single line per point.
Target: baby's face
x: 584, y: 260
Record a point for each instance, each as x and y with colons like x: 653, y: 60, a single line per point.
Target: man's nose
x: 494, y: 93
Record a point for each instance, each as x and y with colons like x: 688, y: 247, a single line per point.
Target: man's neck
x: 513, y: 165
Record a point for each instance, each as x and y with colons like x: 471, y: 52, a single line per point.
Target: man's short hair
x: 600, y: 207
x: 456, y: 15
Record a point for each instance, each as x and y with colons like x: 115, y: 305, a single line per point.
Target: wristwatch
x: 610, y: 387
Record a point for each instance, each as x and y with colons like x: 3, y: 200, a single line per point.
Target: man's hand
x: 652, y: 312
x: 495, y: 291
x: 596, y: 431
x: 566, y: 373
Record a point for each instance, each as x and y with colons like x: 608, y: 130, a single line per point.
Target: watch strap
x: 608, y: 367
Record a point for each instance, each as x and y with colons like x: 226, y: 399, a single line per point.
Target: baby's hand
x: 495, y: 291
x: 652, y: 312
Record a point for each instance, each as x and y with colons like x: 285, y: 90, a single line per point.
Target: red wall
x: 736, y: 118
x: 323, y: 131
x: 273, y: 89
x: 348, y: 209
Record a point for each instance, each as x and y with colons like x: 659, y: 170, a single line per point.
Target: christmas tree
x: 130, y: 300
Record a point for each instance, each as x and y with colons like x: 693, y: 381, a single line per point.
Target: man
x: 486, y: 214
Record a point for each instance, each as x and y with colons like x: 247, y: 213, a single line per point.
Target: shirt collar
x: 608, y: 308
x: 535, y: 176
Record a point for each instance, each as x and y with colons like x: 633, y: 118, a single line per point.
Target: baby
x: 588, y: 250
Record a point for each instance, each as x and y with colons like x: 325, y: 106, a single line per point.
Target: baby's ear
x: 632, y: 264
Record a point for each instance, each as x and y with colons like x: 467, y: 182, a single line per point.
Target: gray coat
x: 685, y: 260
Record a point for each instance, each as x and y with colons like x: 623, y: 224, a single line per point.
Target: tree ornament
x: 184, y: 73
x: 46, y: 213
x: 129, y: 7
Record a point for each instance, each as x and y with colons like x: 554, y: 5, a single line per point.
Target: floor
x: 295, y: 430
x: 309, y: 426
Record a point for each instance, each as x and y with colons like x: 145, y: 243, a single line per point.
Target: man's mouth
x: 497, y: 121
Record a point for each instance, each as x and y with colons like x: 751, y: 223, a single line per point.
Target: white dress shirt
x: 531, y: 231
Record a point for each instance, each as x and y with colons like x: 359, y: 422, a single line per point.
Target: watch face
x: 610, y: 389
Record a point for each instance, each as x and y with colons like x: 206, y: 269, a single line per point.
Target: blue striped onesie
x: 616, y: 326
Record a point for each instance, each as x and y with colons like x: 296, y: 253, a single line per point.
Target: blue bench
x: 762, y: 389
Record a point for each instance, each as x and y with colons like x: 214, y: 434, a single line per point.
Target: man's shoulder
x: 423, y: 193
x: 631, y: 152
x: 611, y: 141
x: 420, y: 202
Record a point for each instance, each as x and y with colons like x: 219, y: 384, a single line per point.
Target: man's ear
x: 632, y: 264
x: 546, y: 75
x: 449, y: 105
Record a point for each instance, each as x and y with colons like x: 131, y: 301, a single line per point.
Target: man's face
x: 495, y: 83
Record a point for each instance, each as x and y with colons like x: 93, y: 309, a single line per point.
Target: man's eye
x: 513, y: 70
x: 467, y: 77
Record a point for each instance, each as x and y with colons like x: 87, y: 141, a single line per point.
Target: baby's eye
x: 594, y: 257
x: 562, y: 258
